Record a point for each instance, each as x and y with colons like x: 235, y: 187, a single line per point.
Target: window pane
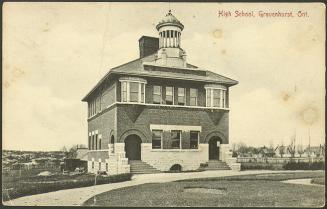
x: 175, y: 139
x: 156, y: 139
x: 192, y: 101
x: 208, y: 97
x: 181, y: 91
x: 157, y: 90
x: 157, y: 94
x: 124, y: 91
x: 216, y: 98
x: 194, y: 137
x: 169, y: 95
x: 142, y: 92
x: 134, y: 92
x: 193, y: 92
x: 223, y: 99
x: 193, y: 97
x: 181, y: 96
x: 134, y: 97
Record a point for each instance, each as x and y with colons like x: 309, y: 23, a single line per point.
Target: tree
x: 291, y: 147
x: 63, y: 149
x: 281, y: 149
x: 73, y: 150
x: 242, y: 149
x: 300, y: 149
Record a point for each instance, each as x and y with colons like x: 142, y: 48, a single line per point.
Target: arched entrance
x: 133, y: 147
x: 214, y: 143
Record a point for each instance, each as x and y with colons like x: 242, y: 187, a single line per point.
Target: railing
x: 278, y: 160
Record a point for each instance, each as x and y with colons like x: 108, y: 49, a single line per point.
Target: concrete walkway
x: 76, y: 197
x: 301, y: 181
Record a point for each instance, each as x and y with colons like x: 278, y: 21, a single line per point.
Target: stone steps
x: 138, y: 167
x: 217, y: 165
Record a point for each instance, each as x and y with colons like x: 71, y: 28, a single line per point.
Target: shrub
x: 261, y: 166
x: 304, y: 166
x: 36, y: 187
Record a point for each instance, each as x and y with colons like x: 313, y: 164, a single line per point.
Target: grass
x: 30, y: 183
x: 320, y: 181
x: 236, y: 191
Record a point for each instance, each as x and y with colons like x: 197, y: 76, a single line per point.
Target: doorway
x: 214, y: 143
x: 133, y: 147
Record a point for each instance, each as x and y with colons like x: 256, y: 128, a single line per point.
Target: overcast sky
x: 54, y: 53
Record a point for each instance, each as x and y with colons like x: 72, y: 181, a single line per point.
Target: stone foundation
x: 163, y: 159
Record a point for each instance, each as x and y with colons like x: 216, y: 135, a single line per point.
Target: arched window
x: 112, y: 140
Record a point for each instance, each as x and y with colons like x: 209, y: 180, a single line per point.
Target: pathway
x: 77, y: 196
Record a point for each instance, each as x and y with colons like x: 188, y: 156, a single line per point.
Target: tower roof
x: 170, y: 19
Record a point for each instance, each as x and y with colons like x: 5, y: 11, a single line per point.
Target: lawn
x: 16, y: 185
x: 236, y: 191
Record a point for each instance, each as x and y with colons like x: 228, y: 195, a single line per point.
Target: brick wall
x: 105, y: 123
x: 130, y: 118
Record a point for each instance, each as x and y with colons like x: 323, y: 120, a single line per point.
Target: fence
x: 279, y: 160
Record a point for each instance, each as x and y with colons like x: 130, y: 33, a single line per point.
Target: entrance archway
x: 214, y: 143
x: 133, y: 147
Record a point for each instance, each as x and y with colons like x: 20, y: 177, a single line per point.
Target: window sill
x: 175, y: 150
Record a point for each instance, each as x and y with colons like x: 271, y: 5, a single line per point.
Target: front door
x: 133, y: 147
x: 213, y: 149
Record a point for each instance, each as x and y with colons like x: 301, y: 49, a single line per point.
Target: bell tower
x: 170, y: 52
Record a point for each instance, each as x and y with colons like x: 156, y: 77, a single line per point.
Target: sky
x: 54, y: 53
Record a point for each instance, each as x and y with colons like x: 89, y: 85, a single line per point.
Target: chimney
x: 148, y: 45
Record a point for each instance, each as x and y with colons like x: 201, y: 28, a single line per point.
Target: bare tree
x: 281, y: 149
x: 300, y: 149
x: 291, y: 147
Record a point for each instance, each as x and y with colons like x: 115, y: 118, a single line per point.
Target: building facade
x: 158, y: 111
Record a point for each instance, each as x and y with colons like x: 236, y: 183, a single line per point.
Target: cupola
x: 170, y: 52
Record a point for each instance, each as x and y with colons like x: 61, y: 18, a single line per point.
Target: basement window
x: 194, y: 139
x: 176, y: 139
x: 156, y: 139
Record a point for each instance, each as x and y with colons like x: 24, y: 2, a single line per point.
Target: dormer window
x: 132, y: 89
x: 216, y: 96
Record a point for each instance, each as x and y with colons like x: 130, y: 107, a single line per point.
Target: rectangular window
x: 96, y: 141
x: 181, y: 96
x: 100, y: 143
x: 208, y: 97
x: 124, y: 91
x: 107, y: 167
x: 216, y: 97
x: 92, y: 165
x: 169, y: 95
x: 142, y: 92
x: 224, y: 99
x: 156, y: 94
x: 156, y: 139
x: 194, y: 139
x: 134, y: 92
x: 193, y: 97
x: 92, y: 146
x: 175, y: 139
